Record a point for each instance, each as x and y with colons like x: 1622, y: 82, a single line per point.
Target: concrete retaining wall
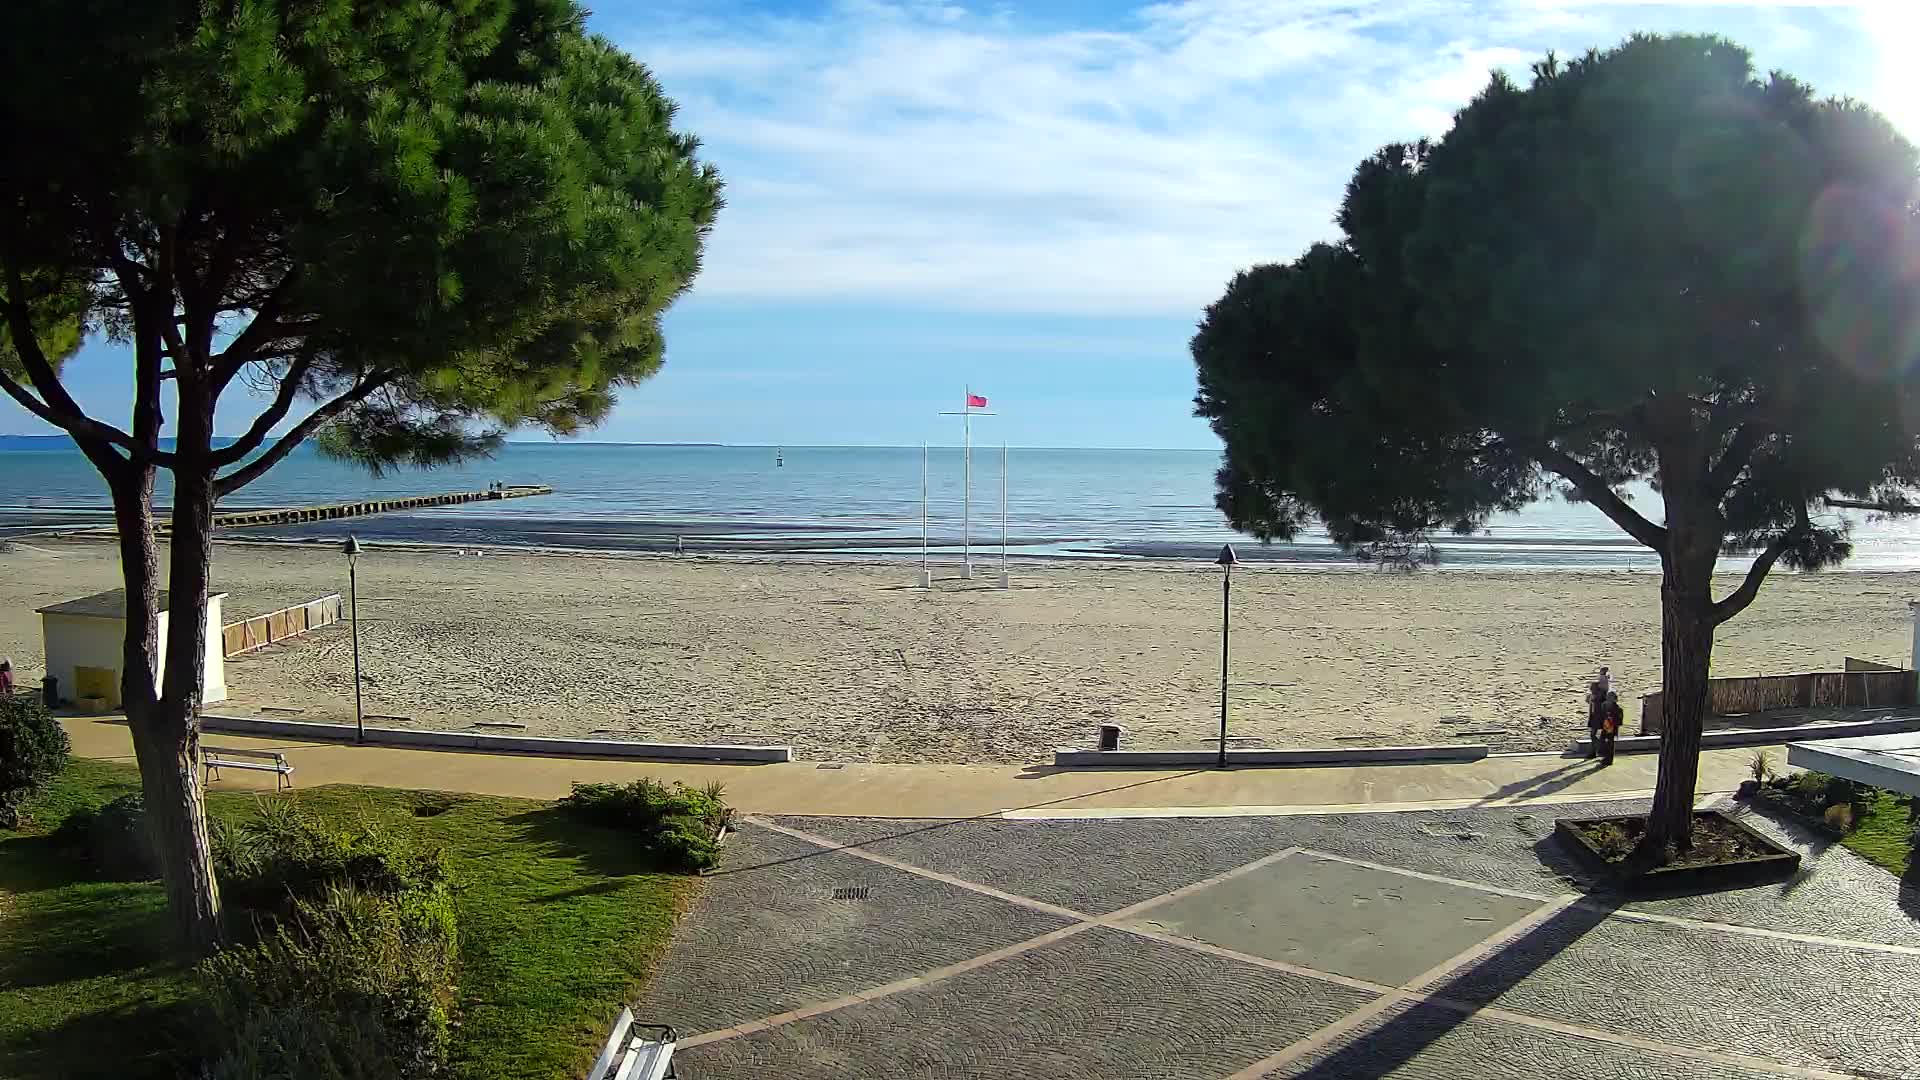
x: 1357, y: 755
x: 497, y: 744
x: 1648, y: 744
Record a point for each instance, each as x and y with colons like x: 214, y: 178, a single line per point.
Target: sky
x: 1037, y: 200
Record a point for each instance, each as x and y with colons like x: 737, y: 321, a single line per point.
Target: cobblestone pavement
x: 1426, y: 944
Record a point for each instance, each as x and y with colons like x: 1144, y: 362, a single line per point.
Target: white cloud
x: 936, y: 155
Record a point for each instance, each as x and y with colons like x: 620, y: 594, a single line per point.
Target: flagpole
x: 966, y: 472
x: 1004, y: 458
x: 926, y: 573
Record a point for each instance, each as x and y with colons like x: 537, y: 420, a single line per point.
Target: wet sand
x: 848, y: 661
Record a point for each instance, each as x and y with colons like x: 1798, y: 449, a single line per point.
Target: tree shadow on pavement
x: 1372, y: 1053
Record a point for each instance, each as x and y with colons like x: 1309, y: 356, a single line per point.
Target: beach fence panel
x: 1874, y: 687
x: 289, y: 622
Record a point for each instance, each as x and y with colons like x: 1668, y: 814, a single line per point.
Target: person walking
x: 1611, y: 717
x: 6, y: 676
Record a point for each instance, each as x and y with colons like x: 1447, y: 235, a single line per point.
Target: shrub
x: 352, y: 985
x: 113, y: 838
x: 268, y: 864
x: 676, y: 824
x: 33, y: 750
x: 1839, y: 817
x: 1762, y: 767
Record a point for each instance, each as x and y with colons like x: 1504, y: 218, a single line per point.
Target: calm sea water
x: 849, y: 501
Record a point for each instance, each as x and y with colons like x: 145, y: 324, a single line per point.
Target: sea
x: 847, y: 502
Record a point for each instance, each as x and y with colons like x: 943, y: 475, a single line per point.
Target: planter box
x: 1776, y: 863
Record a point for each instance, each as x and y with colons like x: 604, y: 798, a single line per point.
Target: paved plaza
x: 1455, y: 943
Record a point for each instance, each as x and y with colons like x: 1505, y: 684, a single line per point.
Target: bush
x: 1762, y: 767
x: 33, y: 750
x: 350, y: 971
x: 352, y: 985
x: 675, y: 823
x: 268, y: 864
x: 113, y: 838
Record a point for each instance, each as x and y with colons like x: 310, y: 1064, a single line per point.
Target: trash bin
x: 1109, y: 736
x: 50, y: 691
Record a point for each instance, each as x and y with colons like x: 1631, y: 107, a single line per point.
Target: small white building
x: 85, y: 641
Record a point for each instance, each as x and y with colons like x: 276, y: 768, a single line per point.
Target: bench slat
x: 604, y: 1063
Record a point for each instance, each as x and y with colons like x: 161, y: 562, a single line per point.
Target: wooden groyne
x: 294, y: 515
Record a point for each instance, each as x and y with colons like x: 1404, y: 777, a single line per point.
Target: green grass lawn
x: 1880, y: 832
x: 559, y: 924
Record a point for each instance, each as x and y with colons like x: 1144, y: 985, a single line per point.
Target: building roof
x: 1883, y: 761
x: 111, y: 604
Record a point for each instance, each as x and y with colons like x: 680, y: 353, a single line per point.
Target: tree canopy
x: 1647, y: 264
x: 431, y: 221
x: 406, y: 227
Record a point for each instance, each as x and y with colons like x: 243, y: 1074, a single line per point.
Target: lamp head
x: 1227, y: 557
x: 351, y: 547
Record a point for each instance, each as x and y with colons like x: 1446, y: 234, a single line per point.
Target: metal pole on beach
x: 926, y: 571
x: 966, y: 472
x: 352, y: 548
x: 1003, y: 515
x: 1226, y: 561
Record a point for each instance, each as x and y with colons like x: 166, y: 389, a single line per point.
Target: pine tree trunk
x: 166, y: 740
x: 1686, y: 654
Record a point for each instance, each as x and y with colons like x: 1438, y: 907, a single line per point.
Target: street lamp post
x: 1226, y: 560
x: 352, y: 548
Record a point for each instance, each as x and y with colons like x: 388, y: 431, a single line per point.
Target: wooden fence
x: 262, y: 630
x: 1865, y: 687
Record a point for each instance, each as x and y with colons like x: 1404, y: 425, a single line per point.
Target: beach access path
x: 960, y: 791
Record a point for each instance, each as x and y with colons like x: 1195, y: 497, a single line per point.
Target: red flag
x: 975, y: 401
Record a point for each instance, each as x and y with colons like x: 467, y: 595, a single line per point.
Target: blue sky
x: 1038, y: 199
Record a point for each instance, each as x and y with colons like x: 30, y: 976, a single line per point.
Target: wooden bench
x: 630, y: 1054
x: 216, y: 758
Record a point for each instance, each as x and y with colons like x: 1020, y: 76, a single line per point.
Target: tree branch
x: 55, y: 405
x: 1746, y: 439
x: 1736, y: 601
x: 262, y: 424
x: 1599, y: 494
x: 243, y: 349
x: 248, y: 473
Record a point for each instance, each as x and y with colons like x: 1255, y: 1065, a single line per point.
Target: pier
x: 240, y: 519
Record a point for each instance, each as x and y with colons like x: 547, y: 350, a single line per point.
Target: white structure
x: 85, y: 641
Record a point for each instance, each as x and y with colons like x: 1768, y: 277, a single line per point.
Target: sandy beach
x: 850, y: 662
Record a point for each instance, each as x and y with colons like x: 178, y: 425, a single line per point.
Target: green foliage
x: 33, y: 750
x: 556, y: 919
x: 272, y: 862
x: 476, y: 205
x: 674, y: 823
x: 1647, y: 265
x: 370, y: 976
x: 1762, y: 767
x: 111, y: 839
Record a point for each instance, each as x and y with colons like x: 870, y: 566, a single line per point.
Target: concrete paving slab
x: 1804, y: 1004
x: 1100, y: 1004
x: 1341, y: 918
x: 1424, y: 1042
x: 1090, y: 866
x: 770, y: 933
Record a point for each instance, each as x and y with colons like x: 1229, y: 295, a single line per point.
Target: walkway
x: 874, y: 921
x: 1440, y: 944
x: 972, y: 790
